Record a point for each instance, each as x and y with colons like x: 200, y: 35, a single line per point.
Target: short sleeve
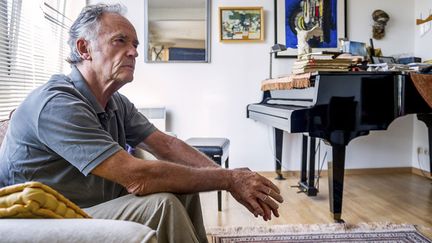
x: 70, y: 127
x: 137, y: 126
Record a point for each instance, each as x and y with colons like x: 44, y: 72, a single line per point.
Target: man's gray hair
x: 87, y: 25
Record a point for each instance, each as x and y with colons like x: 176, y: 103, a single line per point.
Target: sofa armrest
x: 74, y: 230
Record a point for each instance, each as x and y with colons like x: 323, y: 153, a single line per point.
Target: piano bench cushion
x: 212, y: 147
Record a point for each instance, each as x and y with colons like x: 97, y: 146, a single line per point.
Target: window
x: 33, y: 45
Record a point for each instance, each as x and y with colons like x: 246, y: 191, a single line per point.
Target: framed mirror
x: 177, y: 31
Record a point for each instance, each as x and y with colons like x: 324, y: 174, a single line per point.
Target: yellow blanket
x: 36, y: 200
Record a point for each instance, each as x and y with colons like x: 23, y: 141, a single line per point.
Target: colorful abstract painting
x: 293, y: 15
x: 305, y: 14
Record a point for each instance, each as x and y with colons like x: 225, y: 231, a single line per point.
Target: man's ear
x: 83, y: 48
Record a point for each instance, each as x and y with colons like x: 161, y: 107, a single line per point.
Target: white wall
x: 210, y: 99
x: 399, y: 30
x: 423, y: 46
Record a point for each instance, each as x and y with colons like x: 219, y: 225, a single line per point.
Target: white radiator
x: 156, y: 115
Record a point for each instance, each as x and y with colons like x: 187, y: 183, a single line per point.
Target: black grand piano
x: 339, y: 107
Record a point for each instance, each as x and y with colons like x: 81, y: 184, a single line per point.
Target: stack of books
x: 316, y: 65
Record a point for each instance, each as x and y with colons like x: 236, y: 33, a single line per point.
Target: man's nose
x: 132, y: 52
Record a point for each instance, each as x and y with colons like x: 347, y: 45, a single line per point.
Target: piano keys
x: 339, y: 107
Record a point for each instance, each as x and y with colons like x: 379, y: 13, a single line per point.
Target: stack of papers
x: 315, y: 65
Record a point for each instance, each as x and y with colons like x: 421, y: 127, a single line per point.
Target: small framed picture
x: 238, y: 24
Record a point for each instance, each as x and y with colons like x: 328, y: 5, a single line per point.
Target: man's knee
x: 165, y: 199
x: 183, y: 201
x: 162, y: 205
x: 188, y: 199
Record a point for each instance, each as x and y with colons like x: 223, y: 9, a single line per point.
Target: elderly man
x: 71, y: 134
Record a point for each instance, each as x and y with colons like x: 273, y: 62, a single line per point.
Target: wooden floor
x: 396, y: 198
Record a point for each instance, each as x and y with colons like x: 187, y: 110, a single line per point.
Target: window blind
x: 33, y: 46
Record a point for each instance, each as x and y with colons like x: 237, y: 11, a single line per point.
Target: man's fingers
x: 271, y: 205
x: 267, y: 200
x: 277, y: 197
x: 258, y: 194
x: 275, y: 212
x: 251, y: 209
x: 270, y: 184
x: 268, y: 206
x: 272, y: 193
x: 256, y: 208
x: 267, y: 211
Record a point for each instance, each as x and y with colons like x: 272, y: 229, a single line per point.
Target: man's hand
x: 255, y: 192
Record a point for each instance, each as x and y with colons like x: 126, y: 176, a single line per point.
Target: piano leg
x: 336, y: 180
x: 312, y: 191
x: 307, y: 183
x: 278, y: 153
x: 303, y: 170
x: 427, y: 119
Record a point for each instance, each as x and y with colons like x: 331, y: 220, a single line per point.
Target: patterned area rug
x: 371, y: 232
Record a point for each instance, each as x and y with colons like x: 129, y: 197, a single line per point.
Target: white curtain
x: 33, y: 47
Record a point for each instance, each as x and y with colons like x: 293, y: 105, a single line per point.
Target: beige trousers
x: 176, y: 218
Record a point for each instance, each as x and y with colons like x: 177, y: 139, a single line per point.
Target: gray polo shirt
x: 60, y: 133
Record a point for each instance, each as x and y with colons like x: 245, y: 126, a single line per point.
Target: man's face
x: 114, y: 50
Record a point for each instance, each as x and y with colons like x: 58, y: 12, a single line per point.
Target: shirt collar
x: 81, y: 85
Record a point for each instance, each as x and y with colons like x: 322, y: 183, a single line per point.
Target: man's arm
x: 143, y: 177
x: 249, y: 188
x: 172, y: 149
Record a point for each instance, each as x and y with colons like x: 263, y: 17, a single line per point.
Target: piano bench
x: 216, y: 149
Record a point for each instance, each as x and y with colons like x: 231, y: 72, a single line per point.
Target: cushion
x: 36, y: 200
x: 210, y: 146
x: 74, y: 231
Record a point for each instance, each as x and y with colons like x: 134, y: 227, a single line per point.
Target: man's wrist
x: 227, y: 179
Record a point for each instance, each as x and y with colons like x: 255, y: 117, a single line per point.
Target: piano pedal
x: 301, y: 189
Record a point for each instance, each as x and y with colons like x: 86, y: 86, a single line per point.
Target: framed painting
x: 239, y: 24
x: 293, y: 15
